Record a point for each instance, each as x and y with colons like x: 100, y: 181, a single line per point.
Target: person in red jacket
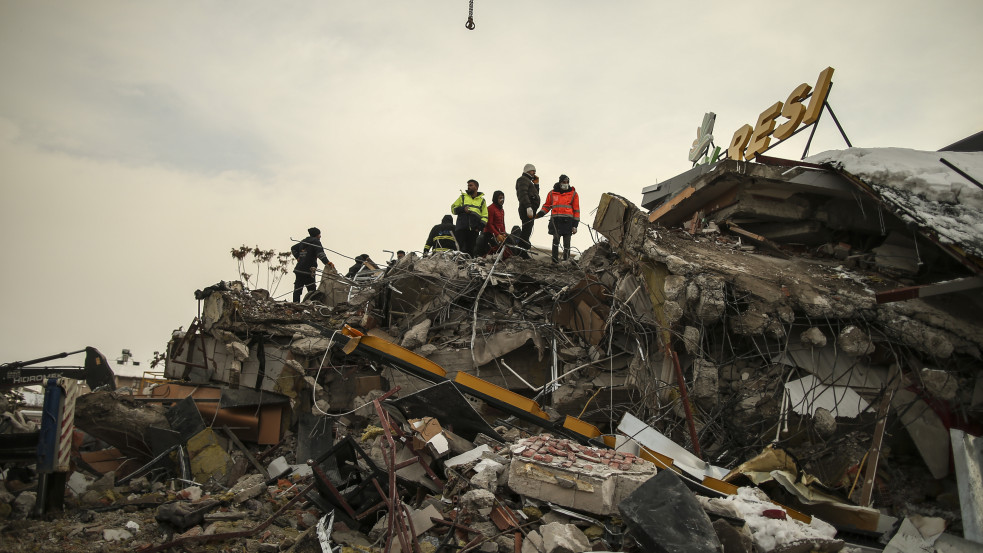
x: 563, y: 204
x: 495, y: 232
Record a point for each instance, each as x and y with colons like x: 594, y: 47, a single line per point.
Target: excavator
x: 18, y: 440
x: 95, y: 372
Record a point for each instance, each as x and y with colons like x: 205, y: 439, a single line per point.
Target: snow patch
x: 921, y: 189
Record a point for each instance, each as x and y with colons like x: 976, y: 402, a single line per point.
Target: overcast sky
x: 141, y: 141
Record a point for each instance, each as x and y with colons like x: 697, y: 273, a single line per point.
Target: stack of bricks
x: 594, y: 480
x: 565, y: 453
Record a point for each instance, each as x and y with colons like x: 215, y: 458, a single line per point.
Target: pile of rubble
x: 730, y: 369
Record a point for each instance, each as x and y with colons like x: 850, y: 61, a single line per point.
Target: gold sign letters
x: 748, y: 142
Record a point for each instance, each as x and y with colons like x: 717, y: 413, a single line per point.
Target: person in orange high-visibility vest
x: 563, y: 204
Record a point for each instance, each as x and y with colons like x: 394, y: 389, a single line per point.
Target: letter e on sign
x: 819, y: 94
x: 793, y: 111
x: 762, y: 131
x: 740, y: 140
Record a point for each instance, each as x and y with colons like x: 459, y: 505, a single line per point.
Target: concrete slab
x: 575, y: 476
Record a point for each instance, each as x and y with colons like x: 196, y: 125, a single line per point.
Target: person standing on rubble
x: 527, y: 190
x: 361, y: 261
x: 441, y: 237
x: 495, y: 234
x: 307, y: 252
x: 563, y: 204
x: 472, y: 216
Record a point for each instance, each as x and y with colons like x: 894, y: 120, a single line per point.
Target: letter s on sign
x: 738, y: 142
x: 793, y: 110
x: 819, y: 95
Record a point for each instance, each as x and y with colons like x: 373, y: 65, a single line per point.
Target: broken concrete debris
x: 725, y: 370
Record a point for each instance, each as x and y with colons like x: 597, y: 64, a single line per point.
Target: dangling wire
x: 470, y: 24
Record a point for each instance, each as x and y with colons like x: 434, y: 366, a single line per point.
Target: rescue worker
x: 495, y: 229
x: 527, y: 190
x: 563, y: 204
x: 441, y: 237
x: 361, y: 260
x: 307, y: 252
x: 472, y: 216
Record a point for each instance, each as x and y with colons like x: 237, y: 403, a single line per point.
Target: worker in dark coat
x: 307, y: 252
x: 563, y: 204
x: 527, y: 190
x: 361, y: 260
x: 441, y: 237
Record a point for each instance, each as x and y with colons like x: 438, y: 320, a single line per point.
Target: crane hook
x: 470, y: 24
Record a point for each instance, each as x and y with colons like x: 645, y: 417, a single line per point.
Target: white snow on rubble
x: 921, y: 189
x: 767, y: 533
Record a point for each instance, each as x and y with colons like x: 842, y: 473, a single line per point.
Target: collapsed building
x: 809, y: 330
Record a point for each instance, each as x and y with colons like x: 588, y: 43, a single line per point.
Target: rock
x: 486, y: 528
x: 674, y: 287
x: 732, y: 539
x: 813, y: 337
x: 673, y: 311
x: 940, y: 384
x: 824, y: 423
x: 138, y: 485
x: 191, y: 493
x: 104, y: 484
x: 664, y: 516
x: 426, y: 350
x: 487, y: 474
x: 705, y: 382
x: 533, y: 543
x: 478, y: 501
x: 563, y: 538
x: 854, y: 341
x: 307, y: 519
x: 184, y: 515
x: 416, y: 336
x: 572, y: 354
x: 248, y: 487
x: 116, y: 534
x: 277, y: 466
x: 691, y: 340
x: 710, y: 307
x: 22, y: 506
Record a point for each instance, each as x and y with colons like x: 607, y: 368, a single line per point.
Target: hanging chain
x: 470, y: 24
